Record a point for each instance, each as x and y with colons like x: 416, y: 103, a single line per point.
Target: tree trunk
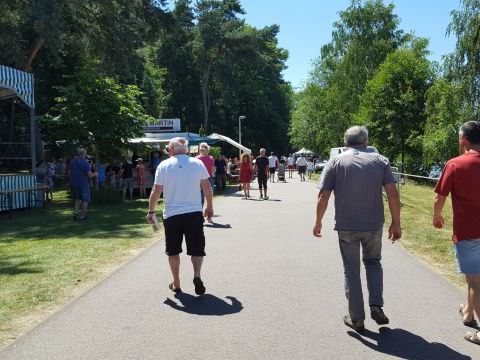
x: 205, y: 95
x: 33, y: 52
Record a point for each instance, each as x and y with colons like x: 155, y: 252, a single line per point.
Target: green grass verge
x: 432, y: 245
x: 46, y: 258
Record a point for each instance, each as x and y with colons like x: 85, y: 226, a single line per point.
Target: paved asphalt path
x: 273, y: 292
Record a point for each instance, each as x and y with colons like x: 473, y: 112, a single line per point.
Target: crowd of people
x: 357, y: 177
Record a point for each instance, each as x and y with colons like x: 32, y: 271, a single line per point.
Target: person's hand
x: 317, y: 230
x: 394, y: 232
x: 208, y: 212
x: 438, y: 221
x: 150, y: 218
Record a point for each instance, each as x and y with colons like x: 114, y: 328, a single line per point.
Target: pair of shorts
x: 468, y: 256
x: 127, y: 183
x: 291, y: 167
x: 81, y: 193
x: 301, y: 169
x: 272, y: 170
x: 190, y: 225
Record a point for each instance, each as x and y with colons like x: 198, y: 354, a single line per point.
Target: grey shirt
x: 357, y: 176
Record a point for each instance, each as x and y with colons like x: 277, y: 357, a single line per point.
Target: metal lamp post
x: 240, y: 118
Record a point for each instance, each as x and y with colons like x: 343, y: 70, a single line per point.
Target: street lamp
x: 240, y: 118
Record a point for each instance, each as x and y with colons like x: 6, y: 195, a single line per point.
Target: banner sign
x: 164, y: 125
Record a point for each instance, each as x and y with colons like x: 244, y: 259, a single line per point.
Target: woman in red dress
x: 246, y: 174
x: 141, y: 178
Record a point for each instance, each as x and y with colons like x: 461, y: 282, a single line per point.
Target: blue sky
x: 306, y: 25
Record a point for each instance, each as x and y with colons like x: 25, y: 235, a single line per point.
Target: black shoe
x: 199, y: 287
x: 356, y: 325
x: 378, y: 315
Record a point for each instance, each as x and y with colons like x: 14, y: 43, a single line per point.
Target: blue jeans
x: 211, y: 180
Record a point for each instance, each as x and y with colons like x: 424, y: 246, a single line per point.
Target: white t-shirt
x: 180, y: 176
x: 301, y: 161
x: 272, y: 161
x: 310, y: 165
x: 291, y: 160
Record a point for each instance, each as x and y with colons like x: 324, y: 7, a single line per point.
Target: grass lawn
x: 420, y: 237
x: 47, y: 259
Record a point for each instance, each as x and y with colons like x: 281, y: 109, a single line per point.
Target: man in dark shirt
x: 263, y: 172
x: 126, y: 174
x: 221, y: 173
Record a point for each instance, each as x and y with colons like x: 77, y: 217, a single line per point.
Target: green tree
x: 393, y: 104
x: 465, y: 61
x: 96, y: 110
x: 445, y: 114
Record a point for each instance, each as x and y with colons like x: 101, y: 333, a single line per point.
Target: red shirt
x: 461, y: 177
x: 209, y: 163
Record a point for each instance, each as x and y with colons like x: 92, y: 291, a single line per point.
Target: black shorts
x: 272, y: 170
x: 190, y: 225
x: 302, y: 169
x: 262, y: 181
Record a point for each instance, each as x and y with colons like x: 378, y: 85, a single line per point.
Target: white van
x: 338, y: 150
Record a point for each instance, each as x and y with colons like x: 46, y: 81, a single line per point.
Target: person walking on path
x: 460, y: 179
x: 80, y: 172
x: 357, y: 177
x: 126, y: 174
x: 221, y: 173
x: 141, y: 177
x: 209, y: 163
x: 290, y: 165
x: 261, y: 168
x: 179, y: 178
x: 302, y: 167
x: 273, y: 165
x: 246, y: 174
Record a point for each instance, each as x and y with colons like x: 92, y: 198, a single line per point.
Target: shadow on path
x: 406, y: 345
x: 205, y: 305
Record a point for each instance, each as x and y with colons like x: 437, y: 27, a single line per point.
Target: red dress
x: 140, y: 175
x: 245, y: 172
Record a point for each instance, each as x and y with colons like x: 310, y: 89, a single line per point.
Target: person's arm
x: 322, y: 204
x: 438, y: 205
x: 152, y: 202
x: 207, y: 191
x: 395, y: 230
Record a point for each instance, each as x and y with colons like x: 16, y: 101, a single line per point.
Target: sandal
x: 472, y: 337
x: 176, y: 291
x: 472, y: 322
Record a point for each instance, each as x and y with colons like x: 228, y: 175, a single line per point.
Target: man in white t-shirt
x: 272, y: 164
x: 291, y: 165
x: 302, y: 167
x: 179, y: 178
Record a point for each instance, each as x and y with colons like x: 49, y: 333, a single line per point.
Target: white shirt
x: 291, y: 160
x: 310, y: 165
x: 272, y: 161
x: 180, y: 176
x: 301, y: 161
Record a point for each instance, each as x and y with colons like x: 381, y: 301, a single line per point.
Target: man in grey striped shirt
x: 357, y: 177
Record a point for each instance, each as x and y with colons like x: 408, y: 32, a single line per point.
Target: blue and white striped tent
x: 17, y: 83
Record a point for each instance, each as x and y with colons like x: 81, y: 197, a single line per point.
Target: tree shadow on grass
x: 207, y: 305
x: 8, y: 266
x: 57, y: 223
x: 406, y: 345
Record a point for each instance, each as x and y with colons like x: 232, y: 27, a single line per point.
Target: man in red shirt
x: 461, y: 177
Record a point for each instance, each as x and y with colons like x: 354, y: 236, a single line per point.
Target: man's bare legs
x: 473, y: 296
x: 197, y: 262
x: 174, y: 262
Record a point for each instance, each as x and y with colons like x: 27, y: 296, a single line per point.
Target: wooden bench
x: 6, y: 197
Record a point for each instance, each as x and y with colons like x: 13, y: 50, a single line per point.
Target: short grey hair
x: 205, y: 146
x: 81, y: 152
x: 262, y: 150
x: 356, y: 136
x: 179, y: 145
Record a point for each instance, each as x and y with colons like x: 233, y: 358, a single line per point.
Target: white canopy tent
x: 304, y: 151
x: 216, y: 136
